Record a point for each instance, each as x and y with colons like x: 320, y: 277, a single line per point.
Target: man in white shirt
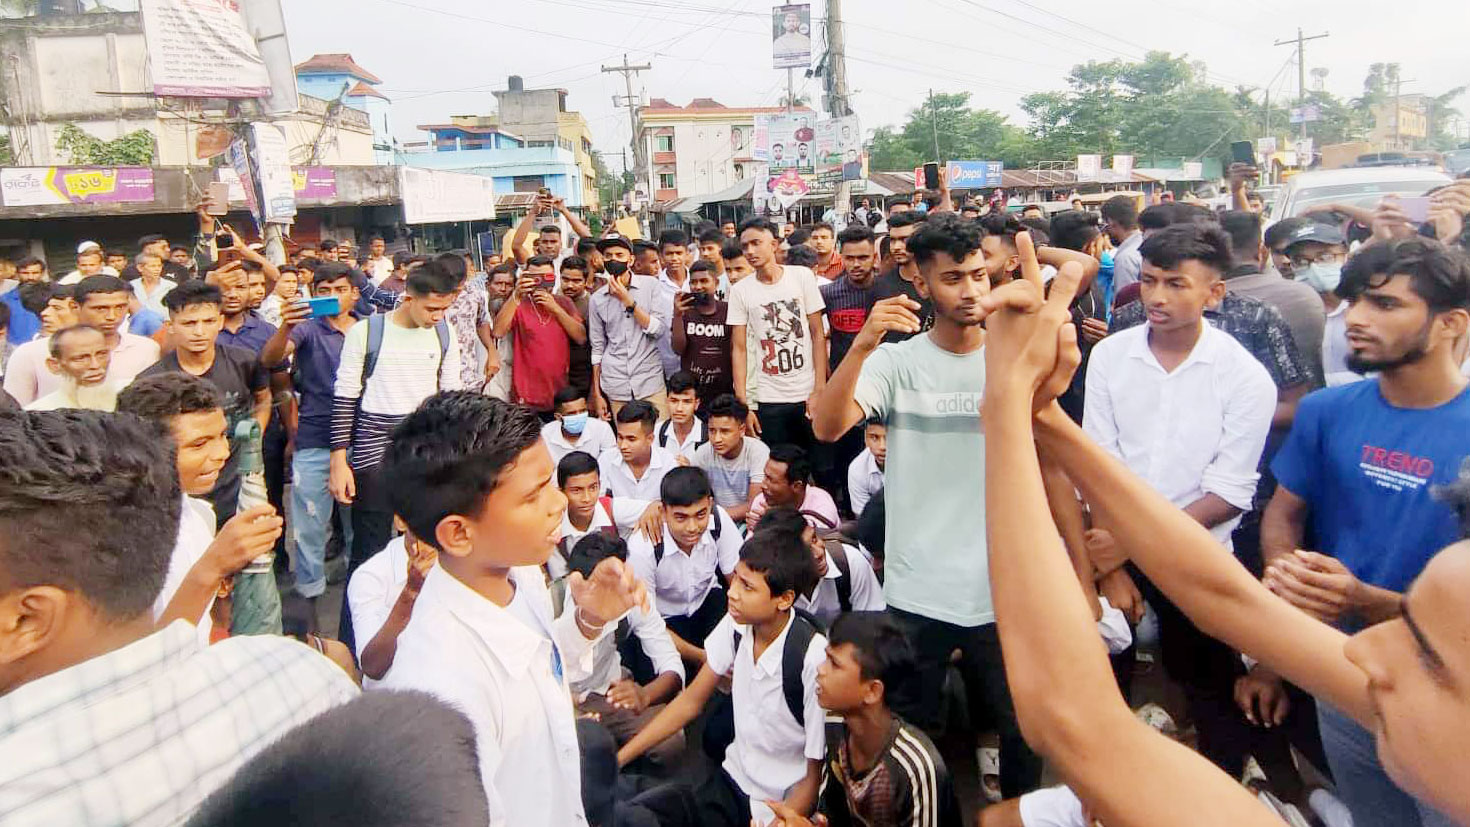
x: 684, y: 569
x: 683, y: 431
x: 845, y: 579
x: 89, y: 263
x: 150, y: 286
x: 79, y: 355
x: 473, y: 479
x: 379, y: 265
x: 109, y: 719
x: 574, y: 430
x: 102, y: 302
x: 1187, y: 408
x: 589, y: 511
x: 865, y: 474
x: 636, y: 469
x: 782, y: 308
x: 624, y: 700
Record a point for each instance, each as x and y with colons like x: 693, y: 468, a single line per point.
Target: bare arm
x: 677, y: 340
x: 577, y: 224
x: 819, y: 350
x: 507, y: 314
x: 1211, y: 510
x: 569, y: 322
x: 686, y: 650
x: 517, y: 243
x: 262, y: 411
x: 833, y: 409
x: 737, y: 362
x: 1286, y: 401
x: 1283, y: 525
x: 803, y: 796
x: 673, y: 718
x: 1066, y: 513
x: 377, y: 656
x: 1057, y: 256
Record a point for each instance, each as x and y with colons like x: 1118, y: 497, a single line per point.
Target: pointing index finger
x: 1064, y: 285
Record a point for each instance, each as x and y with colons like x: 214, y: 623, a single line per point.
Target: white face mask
x: 1320, y: 276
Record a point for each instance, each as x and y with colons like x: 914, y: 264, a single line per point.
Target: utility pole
x: 838, y: 100
x: 628, y: 71
x: 1301, y: 70
x: 934, y: 124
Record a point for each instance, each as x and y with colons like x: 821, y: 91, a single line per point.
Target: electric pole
x: 838, y: 101
x: 628, y: 71
x: 1301, y: 71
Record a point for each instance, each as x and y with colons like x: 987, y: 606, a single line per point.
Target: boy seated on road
x: 865, y: 472
x: 880, y: 769
x: 845, y: 579
x: 771, y: 654
x: 590, y: 511
x: 685, y: 568
x: 620, y: 703
x: 735, y: 463
x: 682, y: 433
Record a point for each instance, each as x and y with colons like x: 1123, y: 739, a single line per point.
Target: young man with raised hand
x: 624, y: 326
x: 928, y: 389
x: 701, y: 335
x: 473, y: 480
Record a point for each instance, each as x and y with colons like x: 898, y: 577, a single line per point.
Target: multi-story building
x: 697, y: 149
x: 541, y: 118
x: 337, y: 78
x: 471, y: 144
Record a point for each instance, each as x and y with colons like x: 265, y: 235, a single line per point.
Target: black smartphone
x: 1243, y: 152
x: 931, y: 176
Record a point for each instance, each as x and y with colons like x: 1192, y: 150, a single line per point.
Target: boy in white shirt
x: 865, y: 474
x: 638, y: 466
x: 472, y: 478
x: 845, y: 579
x: 765, y: 647
x: 382, y: 593
x: 683, y: 432
x: 574, y: 430
x: 684, y: 568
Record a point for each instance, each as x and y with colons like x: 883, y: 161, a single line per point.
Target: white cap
x: 88, y: 245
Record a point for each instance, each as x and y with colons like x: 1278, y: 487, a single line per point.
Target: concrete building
x: 91, y: 71
x: 516, y: 168
x: 337, y: 77
x: 699, y: 149
x: 541, y: 118
x: 1400, y: 125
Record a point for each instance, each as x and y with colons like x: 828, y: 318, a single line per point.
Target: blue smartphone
x: 325, y: 306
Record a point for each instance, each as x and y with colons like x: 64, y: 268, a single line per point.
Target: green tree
x: 1440, y: 110
x: 133, y: 149
x: 962, y: 134
x: 610, y: 186
x: 7, y: 151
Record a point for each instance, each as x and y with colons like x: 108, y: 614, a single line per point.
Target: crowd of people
x: 748, y: 524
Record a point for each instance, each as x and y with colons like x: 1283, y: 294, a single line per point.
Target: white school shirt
x: 665, y: 436
x: 373, y: 590
x: 864, y: 480
x: 500, y: 667
x: 867, y: 592
x: 618, y: 479
x: 607, y: 664
x: 624, y: 519
x: 770, y: 750
x: 196, y: 532
x: 681, y: 581
x: 595, y: 439
x: 1199, y: 430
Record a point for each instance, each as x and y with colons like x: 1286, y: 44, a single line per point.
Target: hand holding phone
x: 1415, y: 208
x: 324, y: 307
x: 931, y: 176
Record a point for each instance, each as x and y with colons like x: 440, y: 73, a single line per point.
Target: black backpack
x: 714, y: 531
x: 665, y: 429
x: 804, y: 627
x: 832, y: 539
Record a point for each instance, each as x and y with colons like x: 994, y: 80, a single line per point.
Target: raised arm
x: 834, y: 409
x: 518, y: 238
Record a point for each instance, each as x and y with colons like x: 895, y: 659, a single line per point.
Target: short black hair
x: 1121, y: 210
x: 28, y: 261
x: 711, y: 235
x: 303, y: 779
x: 783, y: 518
x: 593, y: 549
x: 794, y: 457
x: 564, y: 395
x: 730, y: 250
x: 854, y: 234
x: 783, y: 560
x: 35, y: 295
x: 906, y: 218
x: 542, y: 261
x: 681, y: 381
x: 151, y: 238
x: 89, y: 503
x: 640, y: 247
x: 757, y: 222
x: 638, y: 410
x: 1160, y: 216
x: 98, y: 284
x: 800, y: 235
x: 1437, y: 274
x: 329, y: 244
x: 677, y: 238
x: 585, y: 246
x: 330, y: 271
x: 727, y: 404
x: 1244, y: 229
x: 1002, y: 225
x: 190, y: 293
x: 575, y: 263
x: 824, y: 225
x: 448, y: 455
x: 453, y: 262
x: 549, y: 229
x: 163, y: 396
x: 701, y: 266
x: 1279, y: 234
x: 882, y: 651
x: 801, y: 255
x: 684, y: 486
x: 1204, y: 243
x: 1073, y: 229
x: 945, y: 233
x: 402, y: 258
x: 575, y: 464
x: 433, y: 278
x: 1040, y: 230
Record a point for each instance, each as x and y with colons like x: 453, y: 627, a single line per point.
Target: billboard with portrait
x: 791, y: 36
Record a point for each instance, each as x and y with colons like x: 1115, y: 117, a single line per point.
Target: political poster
x: 202, y: 50
x: 791, y: 36
x: 1123, y: 165
x: 790, y: 141
x: 839, y: 149
x: 46, y: 186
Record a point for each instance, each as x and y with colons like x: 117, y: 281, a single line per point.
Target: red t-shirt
x: 542, y: 352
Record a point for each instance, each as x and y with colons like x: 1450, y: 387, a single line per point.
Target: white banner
x: 432, y: 196
x: 791, y: 36
x: 1123, y: 164
x: 202, y: 50
x: 273, y: 171
x: 1089, y: 167
x: 1194, y: 170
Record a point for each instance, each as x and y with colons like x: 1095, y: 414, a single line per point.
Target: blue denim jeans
x: 1362, y: 784
x: 311, y: 517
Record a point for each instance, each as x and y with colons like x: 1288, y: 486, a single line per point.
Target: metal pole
x: 790, y: 93
x: 934, y: 122
x: 837, y: 98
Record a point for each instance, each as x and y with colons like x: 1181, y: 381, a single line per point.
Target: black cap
x: 605, y: 244
x: 1314, y: 231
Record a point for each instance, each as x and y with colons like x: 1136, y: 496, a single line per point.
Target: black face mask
x: 615, y: 268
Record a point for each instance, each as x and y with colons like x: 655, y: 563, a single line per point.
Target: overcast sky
x: 445, y: 57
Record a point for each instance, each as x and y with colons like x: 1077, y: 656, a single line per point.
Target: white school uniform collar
x: 506, y: 637
x: 769, y: 663
x: 1206, y: 348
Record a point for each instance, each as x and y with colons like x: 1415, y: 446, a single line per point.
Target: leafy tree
x: 133, y: 149
x: 7, y: 151
x: 1441, y: 111
x: 963, y: 134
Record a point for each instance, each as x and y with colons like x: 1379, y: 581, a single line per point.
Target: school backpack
x: 832, y: 538
x: 665, y: 430
x: 804, y: 627
x: 376, y: 325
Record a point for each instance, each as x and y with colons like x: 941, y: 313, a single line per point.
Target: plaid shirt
x: 1258, y: 326
x: 142, y: 734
